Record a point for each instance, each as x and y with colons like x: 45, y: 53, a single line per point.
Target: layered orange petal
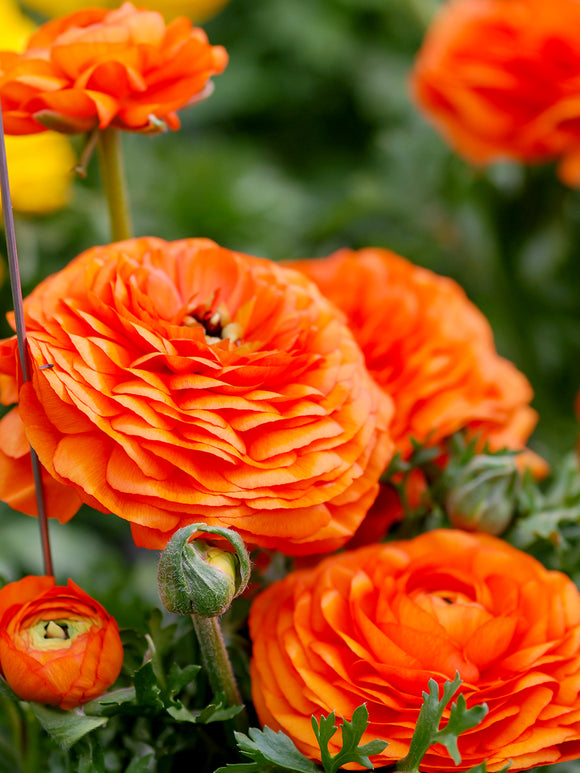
x: 373, y: 625
x: 188, y: 382
x: 99, y: 67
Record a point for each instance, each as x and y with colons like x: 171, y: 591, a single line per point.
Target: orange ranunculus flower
x: 190, y: 383
x: 373, y: 625
x: 98, y: 67
x: 500, y: 79
x: 57, y: 644
x: 429, y: 348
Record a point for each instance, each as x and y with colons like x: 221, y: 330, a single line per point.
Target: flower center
x: 55, y: 630
x: 56, y: 633
x: 217, y: 325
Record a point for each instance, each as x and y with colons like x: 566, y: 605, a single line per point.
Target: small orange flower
x: 175, y: 382
x: 373, y: 625
x: 429, y: 348
x: 57, y: 644
x: 100, y: 67
x: 500, y: 80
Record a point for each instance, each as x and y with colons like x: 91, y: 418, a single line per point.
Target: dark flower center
x: 217, y: 324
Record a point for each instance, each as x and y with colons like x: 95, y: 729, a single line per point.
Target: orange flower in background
x: 499, y: 79
x: 185, y: 383
x: 57, y: 644
x: 40, y: 167
x: 96, y: 67
x: 429, y: 348
x: 373, y: 625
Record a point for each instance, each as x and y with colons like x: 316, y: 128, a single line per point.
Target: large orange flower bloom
x: 98, y: 67
x: 186, y: 382
x: 500, y: 79
x: 375, y: 624
x: 428, y: 347
x: 57, y: 644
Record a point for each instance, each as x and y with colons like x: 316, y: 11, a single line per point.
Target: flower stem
x: 14, y: 271
x: 215, y: 658
x: 114, y: 183
x: 30, y: 745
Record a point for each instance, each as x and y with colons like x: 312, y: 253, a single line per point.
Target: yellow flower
x: 40, y: 167
x: 198, y: 10
x: 15, y: 28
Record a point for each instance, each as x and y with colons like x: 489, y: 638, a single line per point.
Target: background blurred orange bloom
x: 98, y: 67
x: 429, y: 348
x: 500, y: 80
x: 375, y: 624
x: 57, y: 644
x: 188, y: 382
x: 40, y: 167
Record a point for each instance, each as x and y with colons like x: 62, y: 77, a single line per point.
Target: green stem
x: 215, y: 658
x: 114, y: 183
x: 30, y: 745
x: 15, y: 723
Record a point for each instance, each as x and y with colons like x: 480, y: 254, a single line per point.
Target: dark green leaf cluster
x: 276, y: 753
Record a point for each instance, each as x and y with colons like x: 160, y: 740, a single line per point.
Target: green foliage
x: 545, y: 514
x: 427, y: 730
x: 66, y: 727
x: 272, y: 752
x: 352, y: 732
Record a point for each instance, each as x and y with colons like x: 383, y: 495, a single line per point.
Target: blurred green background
x: 311, y: 142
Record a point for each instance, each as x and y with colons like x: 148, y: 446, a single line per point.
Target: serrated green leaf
x: 111, y: 703
x: 147, y: 689
x: 460, y: 719
x: 544, y: 525
x: 268, y: 748
x: 352, y: 732
x: 428, y: 722
x: 427, y: 728
x: 217, y: 712
x: 211, y: 713
x: 324, y: 729
x: 66, y: 727
x: 179, y: 678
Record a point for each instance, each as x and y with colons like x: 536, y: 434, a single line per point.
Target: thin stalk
x: 15, y: 722
x: 14, y: 272
x: 215, y: 658
x: 31, y: 744
x: 114, y: 183
x: 217, y: 664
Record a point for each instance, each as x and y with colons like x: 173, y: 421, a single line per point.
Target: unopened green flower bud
x: 483, y: 495
x: 195, y: 578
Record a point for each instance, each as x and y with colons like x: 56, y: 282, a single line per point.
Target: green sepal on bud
x: 195, y: 578
x: 482, y: 496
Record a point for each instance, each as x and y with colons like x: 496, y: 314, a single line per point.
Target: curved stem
x: 114, y: 183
